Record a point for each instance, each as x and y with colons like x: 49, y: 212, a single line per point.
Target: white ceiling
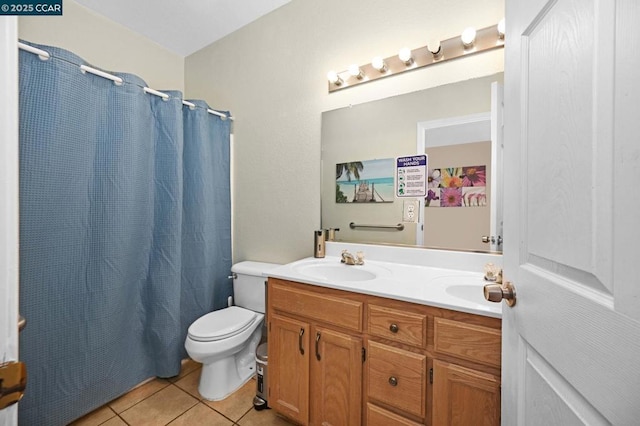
x: 183, y: 26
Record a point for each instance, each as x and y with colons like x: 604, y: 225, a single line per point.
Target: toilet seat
x: 221, y: 324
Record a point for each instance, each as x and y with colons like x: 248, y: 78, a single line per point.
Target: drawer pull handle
x: 394, y: 328
x: 393, y: 381
x: 317, y: 346
x: 300, y: 341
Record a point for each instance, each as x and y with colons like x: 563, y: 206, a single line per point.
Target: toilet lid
x: 221, y: 324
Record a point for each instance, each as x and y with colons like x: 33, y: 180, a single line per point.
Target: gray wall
x: 272, y: 75
x: 106, y: 45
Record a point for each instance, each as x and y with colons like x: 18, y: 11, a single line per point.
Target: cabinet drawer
x: 326, y: 308
x: 377, y: 416
x: 397, y: 378
x: 400, y: 326
x: 472, y: 342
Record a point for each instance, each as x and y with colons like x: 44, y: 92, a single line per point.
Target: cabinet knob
x: 393, y: 381
x: 394, y: 328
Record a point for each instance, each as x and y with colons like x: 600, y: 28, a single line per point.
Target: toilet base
x: 222, y: 378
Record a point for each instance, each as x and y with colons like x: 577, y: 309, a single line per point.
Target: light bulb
x: 405, y: 56
x: 433, y: 45
x: 355, y: 71
x: 334, y: 78
x: 379, y: 64
x: 468, y: 36
x: 501, y: 28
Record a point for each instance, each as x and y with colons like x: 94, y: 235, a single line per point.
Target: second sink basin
x: 472, y: 293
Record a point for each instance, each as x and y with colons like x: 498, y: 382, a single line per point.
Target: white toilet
x: 225, y: 341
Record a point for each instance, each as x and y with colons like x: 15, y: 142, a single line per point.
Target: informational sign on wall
x: 411, y: 176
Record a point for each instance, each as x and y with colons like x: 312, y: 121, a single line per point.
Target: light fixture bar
x: 486, y: 39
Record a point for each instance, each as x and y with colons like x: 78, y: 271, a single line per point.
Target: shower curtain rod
x: 116, y: 80
x: 44, y: 55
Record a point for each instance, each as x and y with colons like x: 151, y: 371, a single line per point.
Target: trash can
x: 260, y: 400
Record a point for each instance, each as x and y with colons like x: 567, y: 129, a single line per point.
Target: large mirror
x: 453, y: 125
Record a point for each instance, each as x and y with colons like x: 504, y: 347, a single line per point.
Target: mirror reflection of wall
x: 387, y: 128
x: 465, y: 220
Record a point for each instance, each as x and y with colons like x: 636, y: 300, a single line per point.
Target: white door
x: 8, y: 199
x: 571, y: 344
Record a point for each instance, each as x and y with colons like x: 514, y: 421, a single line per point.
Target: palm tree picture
x: 365, y: 181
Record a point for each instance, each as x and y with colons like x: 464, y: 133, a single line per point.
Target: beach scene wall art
x: 366, y: 181
x: 457, y: 187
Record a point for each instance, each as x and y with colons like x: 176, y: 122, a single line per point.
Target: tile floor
x: 176, y: 402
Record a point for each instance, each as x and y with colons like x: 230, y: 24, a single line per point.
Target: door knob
x: 497, y: 292
x: 491, y: 239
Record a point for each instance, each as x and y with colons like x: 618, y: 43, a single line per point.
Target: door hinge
x: 431, y: 375
x: 364, y: 354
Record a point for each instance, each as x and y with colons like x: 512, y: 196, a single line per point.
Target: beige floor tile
x: 96, y: 417
x: 236, y: 405
x: 189, y: 383
x: 188, y: 366
x: 263, y: 418
x: 115, y: 421
x: 201, y: 415
x: 160, y: 408
x: 138, y: 394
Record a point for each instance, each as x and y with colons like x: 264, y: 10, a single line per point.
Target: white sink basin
x: 472, y: 293
x: 335, y: 271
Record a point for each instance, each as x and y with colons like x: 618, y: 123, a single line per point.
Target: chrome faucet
x: 349, y: 259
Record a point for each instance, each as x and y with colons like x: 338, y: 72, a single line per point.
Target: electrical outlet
x: 410, y: 211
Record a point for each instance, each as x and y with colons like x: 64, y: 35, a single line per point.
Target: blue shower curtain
x: 124, y: 233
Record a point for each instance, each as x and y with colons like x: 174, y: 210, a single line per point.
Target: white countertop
x: 455, y: 289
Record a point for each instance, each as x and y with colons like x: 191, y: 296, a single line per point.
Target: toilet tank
x: 248, y: 284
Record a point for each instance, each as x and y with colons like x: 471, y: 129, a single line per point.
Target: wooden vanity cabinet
x: 466, y: 371
x: 342, y: 358
x: 315, y: 355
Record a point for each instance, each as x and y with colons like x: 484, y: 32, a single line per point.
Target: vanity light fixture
x: 379, y: 64
x: 405, y: 56
x: 355, y: 71
x: 470, y: 42
x: 468, y: 37
x: 501, y: 28
x: 334, y: 78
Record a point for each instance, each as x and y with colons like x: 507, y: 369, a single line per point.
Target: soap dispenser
x: 318, y: 243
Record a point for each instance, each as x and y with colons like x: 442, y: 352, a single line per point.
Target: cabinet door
x: 288, y: 368
x: 462, y: 396
x: 336, y: 384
